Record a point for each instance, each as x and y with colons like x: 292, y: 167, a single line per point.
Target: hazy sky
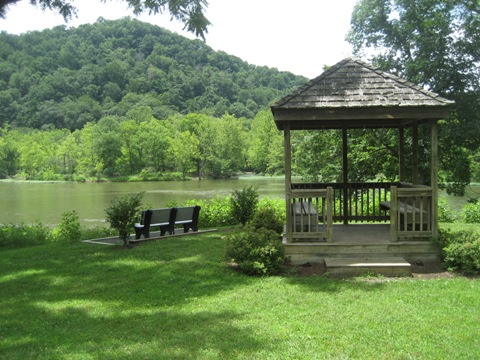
x: 298, y: 36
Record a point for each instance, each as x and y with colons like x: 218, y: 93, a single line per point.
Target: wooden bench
x: 408, y: 211
x: 187, y: 217
x: 161, y: 218
x: 305, y: 217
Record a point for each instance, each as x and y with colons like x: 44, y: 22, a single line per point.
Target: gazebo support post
x: 288, y: 182
x: 345, y: 175
x: 401, y: 154
x: 415, y: 177
x: 434, y: 177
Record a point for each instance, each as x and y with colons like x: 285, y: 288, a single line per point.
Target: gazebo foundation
x: 361, y: 241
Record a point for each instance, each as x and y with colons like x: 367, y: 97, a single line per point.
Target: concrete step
x: 387, y: 266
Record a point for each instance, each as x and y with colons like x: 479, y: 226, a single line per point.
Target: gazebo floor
x: 361, y: 241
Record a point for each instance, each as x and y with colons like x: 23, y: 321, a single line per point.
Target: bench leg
x: 139, y: 231
x: 165, y: 229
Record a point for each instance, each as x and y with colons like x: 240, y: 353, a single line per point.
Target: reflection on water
x: 30, y: 201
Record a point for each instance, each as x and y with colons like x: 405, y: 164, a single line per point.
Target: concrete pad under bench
x: 388, y: 266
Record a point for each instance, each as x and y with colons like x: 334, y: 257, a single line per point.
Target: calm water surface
x: 29, y: 201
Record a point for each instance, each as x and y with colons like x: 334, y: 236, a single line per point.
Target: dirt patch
x: 430, y: 270
x: 420, y: 270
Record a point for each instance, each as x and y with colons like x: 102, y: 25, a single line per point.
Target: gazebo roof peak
x: 354, y: 93
x: 355, y: 83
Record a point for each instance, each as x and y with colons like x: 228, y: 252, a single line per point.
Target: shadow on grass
x: 325, y: 283
x: 65, y: 300
x: 73, y: 332
x: 157, y: 300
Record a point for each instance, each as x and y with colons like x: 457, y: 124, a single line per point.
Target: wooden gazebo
x: 355, y: 95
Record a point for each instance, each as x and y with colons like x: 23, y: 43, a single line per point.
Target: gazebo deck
x: 361, y: 240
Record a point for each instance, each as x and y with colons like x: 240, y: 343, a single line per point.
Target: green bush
x: 97, y: 232
x: 69, y: 229
x: 461, y: 250
x: 24, y: 235
x: 218, y: 211
x: 277, y: 205
x: 244, y: 204
x: 471, y: 213
x: 123, y: 214
x: 445, y: 212
x: 257, y: 252
x: 267, y: 218
x: 215, y: 212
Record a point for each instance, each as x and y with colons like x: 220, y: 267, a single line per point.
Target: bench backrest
x: 187, y: 213
x: 160, y: 216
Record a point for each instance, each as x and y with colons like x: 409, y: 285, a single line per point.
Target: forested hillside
x: 126, y: 99
x: 64, y: 78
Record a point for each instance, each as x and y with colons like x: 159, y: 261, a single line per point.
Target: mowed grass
x: 176, y: 299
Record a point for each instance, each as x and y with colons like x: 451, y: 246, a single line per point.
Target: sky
x: 299, y: 36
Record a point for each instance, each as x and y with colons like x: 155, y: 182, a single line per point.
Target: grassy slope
x: 176, y: 299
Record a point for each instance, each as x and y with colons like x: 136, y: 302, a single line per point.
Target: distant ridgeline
x: 64, y: 78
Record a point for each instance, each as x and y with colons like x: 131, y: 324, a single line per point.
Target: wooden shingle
x: 353, y: 89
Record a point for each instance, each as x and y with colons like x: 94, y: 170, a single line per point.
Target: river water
x: 30, y: 201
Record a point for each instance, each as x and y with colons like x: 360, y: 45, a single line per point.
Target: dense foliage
x: 65, y: 78
x: 148, y: 149
x: 433, y: 43
x: 461, y: 250
x: 67, y: 231
x: 256, y: 251
x: 244, y: 204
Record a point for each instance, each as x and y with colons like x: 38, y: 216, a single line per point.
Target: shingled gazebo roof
x: 355, y: 94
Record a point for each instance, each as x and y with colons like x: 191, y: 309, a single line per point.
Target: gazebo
x: 369, y: 218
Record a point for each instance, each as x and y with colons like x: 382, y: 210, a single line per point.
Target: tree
x: 263, y: 131
x: 433, y: 43
x: 184, y: 150
x: 189, y: 12
x: 107, y: 143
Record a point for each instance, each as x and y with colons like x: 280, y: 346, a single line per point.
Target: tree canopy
x: 436, y: 44
x: 189, y: 12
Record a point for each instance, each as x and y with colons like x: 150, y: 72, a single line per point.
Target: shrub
x: 24, y: 235
x: 461, y: 250
x: 445, y: 212
x: 123, y: 214
x: 471, y: 213
x: 215, y: 212
x: 277, y: 205
x: 257, y: 252
x: 244, y: 204
x: 267, y: 218
x: 96, y: 232
x: 69, y: 229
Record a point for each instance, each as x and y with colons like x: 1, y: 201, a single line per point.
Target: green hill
x: 67, y: 77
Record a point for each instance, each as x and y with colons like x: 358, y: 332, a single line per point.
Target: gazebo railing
x: 311, y: 215
x: 411, y: 212
x: 313, y: 208
x: 363, y: 200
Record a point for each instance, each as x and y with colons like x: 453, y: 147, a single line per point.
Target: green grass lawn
x: 176, y: 299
